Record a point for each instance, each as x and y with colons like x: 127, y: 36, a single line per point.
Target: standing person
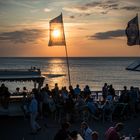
x: 105, y: 91
x: 33, y: 108
x: 55, y: 91
x: 63, y: 133
x: 77, y: 91
x: 111, y: 91
x: 124, y: 97
x: 46, y: 88
x: 133, y: 100
x: 86, y: 131
x: 71, y: 91
x: 113, y: 132
x: 86, y: 91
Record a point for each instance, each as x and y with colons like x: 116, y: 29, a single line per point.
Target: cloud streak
x: 23, y: 36
x: 107, y: 35
x: 102, y: 7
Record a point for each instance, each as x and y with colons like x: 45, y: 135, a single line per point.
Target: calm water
x: 92, y: 71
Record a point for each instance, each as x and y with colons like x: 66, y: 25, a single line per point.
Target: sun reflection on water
x: 56, y: 72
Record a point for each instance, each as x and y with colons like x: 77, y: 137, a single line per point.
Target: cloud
x: 23, y: 36
x: 9, y: 3
x: 107, y: 35
x: 72, y: 17
x: 130, y: 8
x: 94, y: 6
x: 47, y: 10
x: 102, y: 7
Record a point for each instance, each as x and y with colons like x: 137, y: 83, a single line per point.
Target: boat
x: 135, y: 66
x: 34, y: 75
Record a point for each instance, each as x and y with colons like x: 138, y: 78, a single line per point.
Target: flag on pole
x: 56, y: 34
x: 132, y: 32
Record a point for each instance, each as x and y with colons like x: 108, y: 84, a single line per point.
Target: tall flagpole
x: 138, y: 30
x: 67, y: 59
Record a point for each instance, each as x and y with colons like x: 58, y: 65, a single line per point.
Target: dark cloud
x: 24, y: 36
x: 107, y: 35
x: 93, y: 4
x: 130, y: 8
x: 72, y: 17
x: 106, y: 6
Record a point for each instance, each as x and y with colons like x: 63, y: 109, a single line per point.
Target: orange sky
x: 93, y: 28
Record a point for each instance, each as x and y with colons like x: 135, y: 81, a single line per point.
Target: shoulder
x: 89, y: 131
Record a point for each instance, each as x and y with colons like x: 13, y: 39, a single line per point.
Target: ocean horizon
x: 92, y: 71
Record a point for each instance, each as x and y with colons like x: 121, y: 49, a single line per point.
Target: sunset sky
x: 92, y: 27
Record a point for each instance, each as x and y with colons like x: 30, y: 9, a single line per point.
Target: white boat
x: 33, y: 74
x: 135, y: 66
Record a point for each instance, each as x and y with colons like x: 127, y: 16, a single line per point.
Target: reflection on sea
x: 56, y: 72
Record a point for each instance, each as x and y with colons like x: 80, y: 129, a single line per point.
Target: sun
x: 56, y: 33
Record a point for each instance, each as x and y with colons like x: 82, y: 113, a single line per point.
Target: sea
x: 92, y: 71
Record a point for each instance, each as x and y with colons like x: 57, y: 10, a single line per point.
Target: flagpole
x: 67, y: 59
x: 138, y: 31
x: 68, y: 64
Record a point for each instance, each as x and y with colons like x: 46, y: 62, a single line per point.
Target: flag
x: 56, y: 32
x: 132, y: 32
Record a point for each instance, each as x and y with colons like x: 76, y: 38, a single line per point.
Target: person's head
x: 46, y: 86
x: 131, y: 88
x: 125, y: 87
x: 111, y: 86
x: 119, y: 127
x: 105, y: 84
x: 84, y: 125
x: 70, y: 87
x: 2, y: 85
x: 17, y: 89
x: 24, y: 88
x: 77, y: 86
x: 95, y: 135
x: 87, y: 87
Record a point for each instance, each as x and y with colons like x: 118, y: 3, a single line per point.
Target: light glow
x: 56, y: 33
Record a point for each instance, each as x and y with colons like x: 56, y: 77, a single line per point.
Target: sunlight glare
x: 56, y: 33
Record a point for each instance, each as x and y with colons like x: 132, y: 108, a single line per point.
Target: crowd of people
x: 74, y: 104
x: 86, y: 133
